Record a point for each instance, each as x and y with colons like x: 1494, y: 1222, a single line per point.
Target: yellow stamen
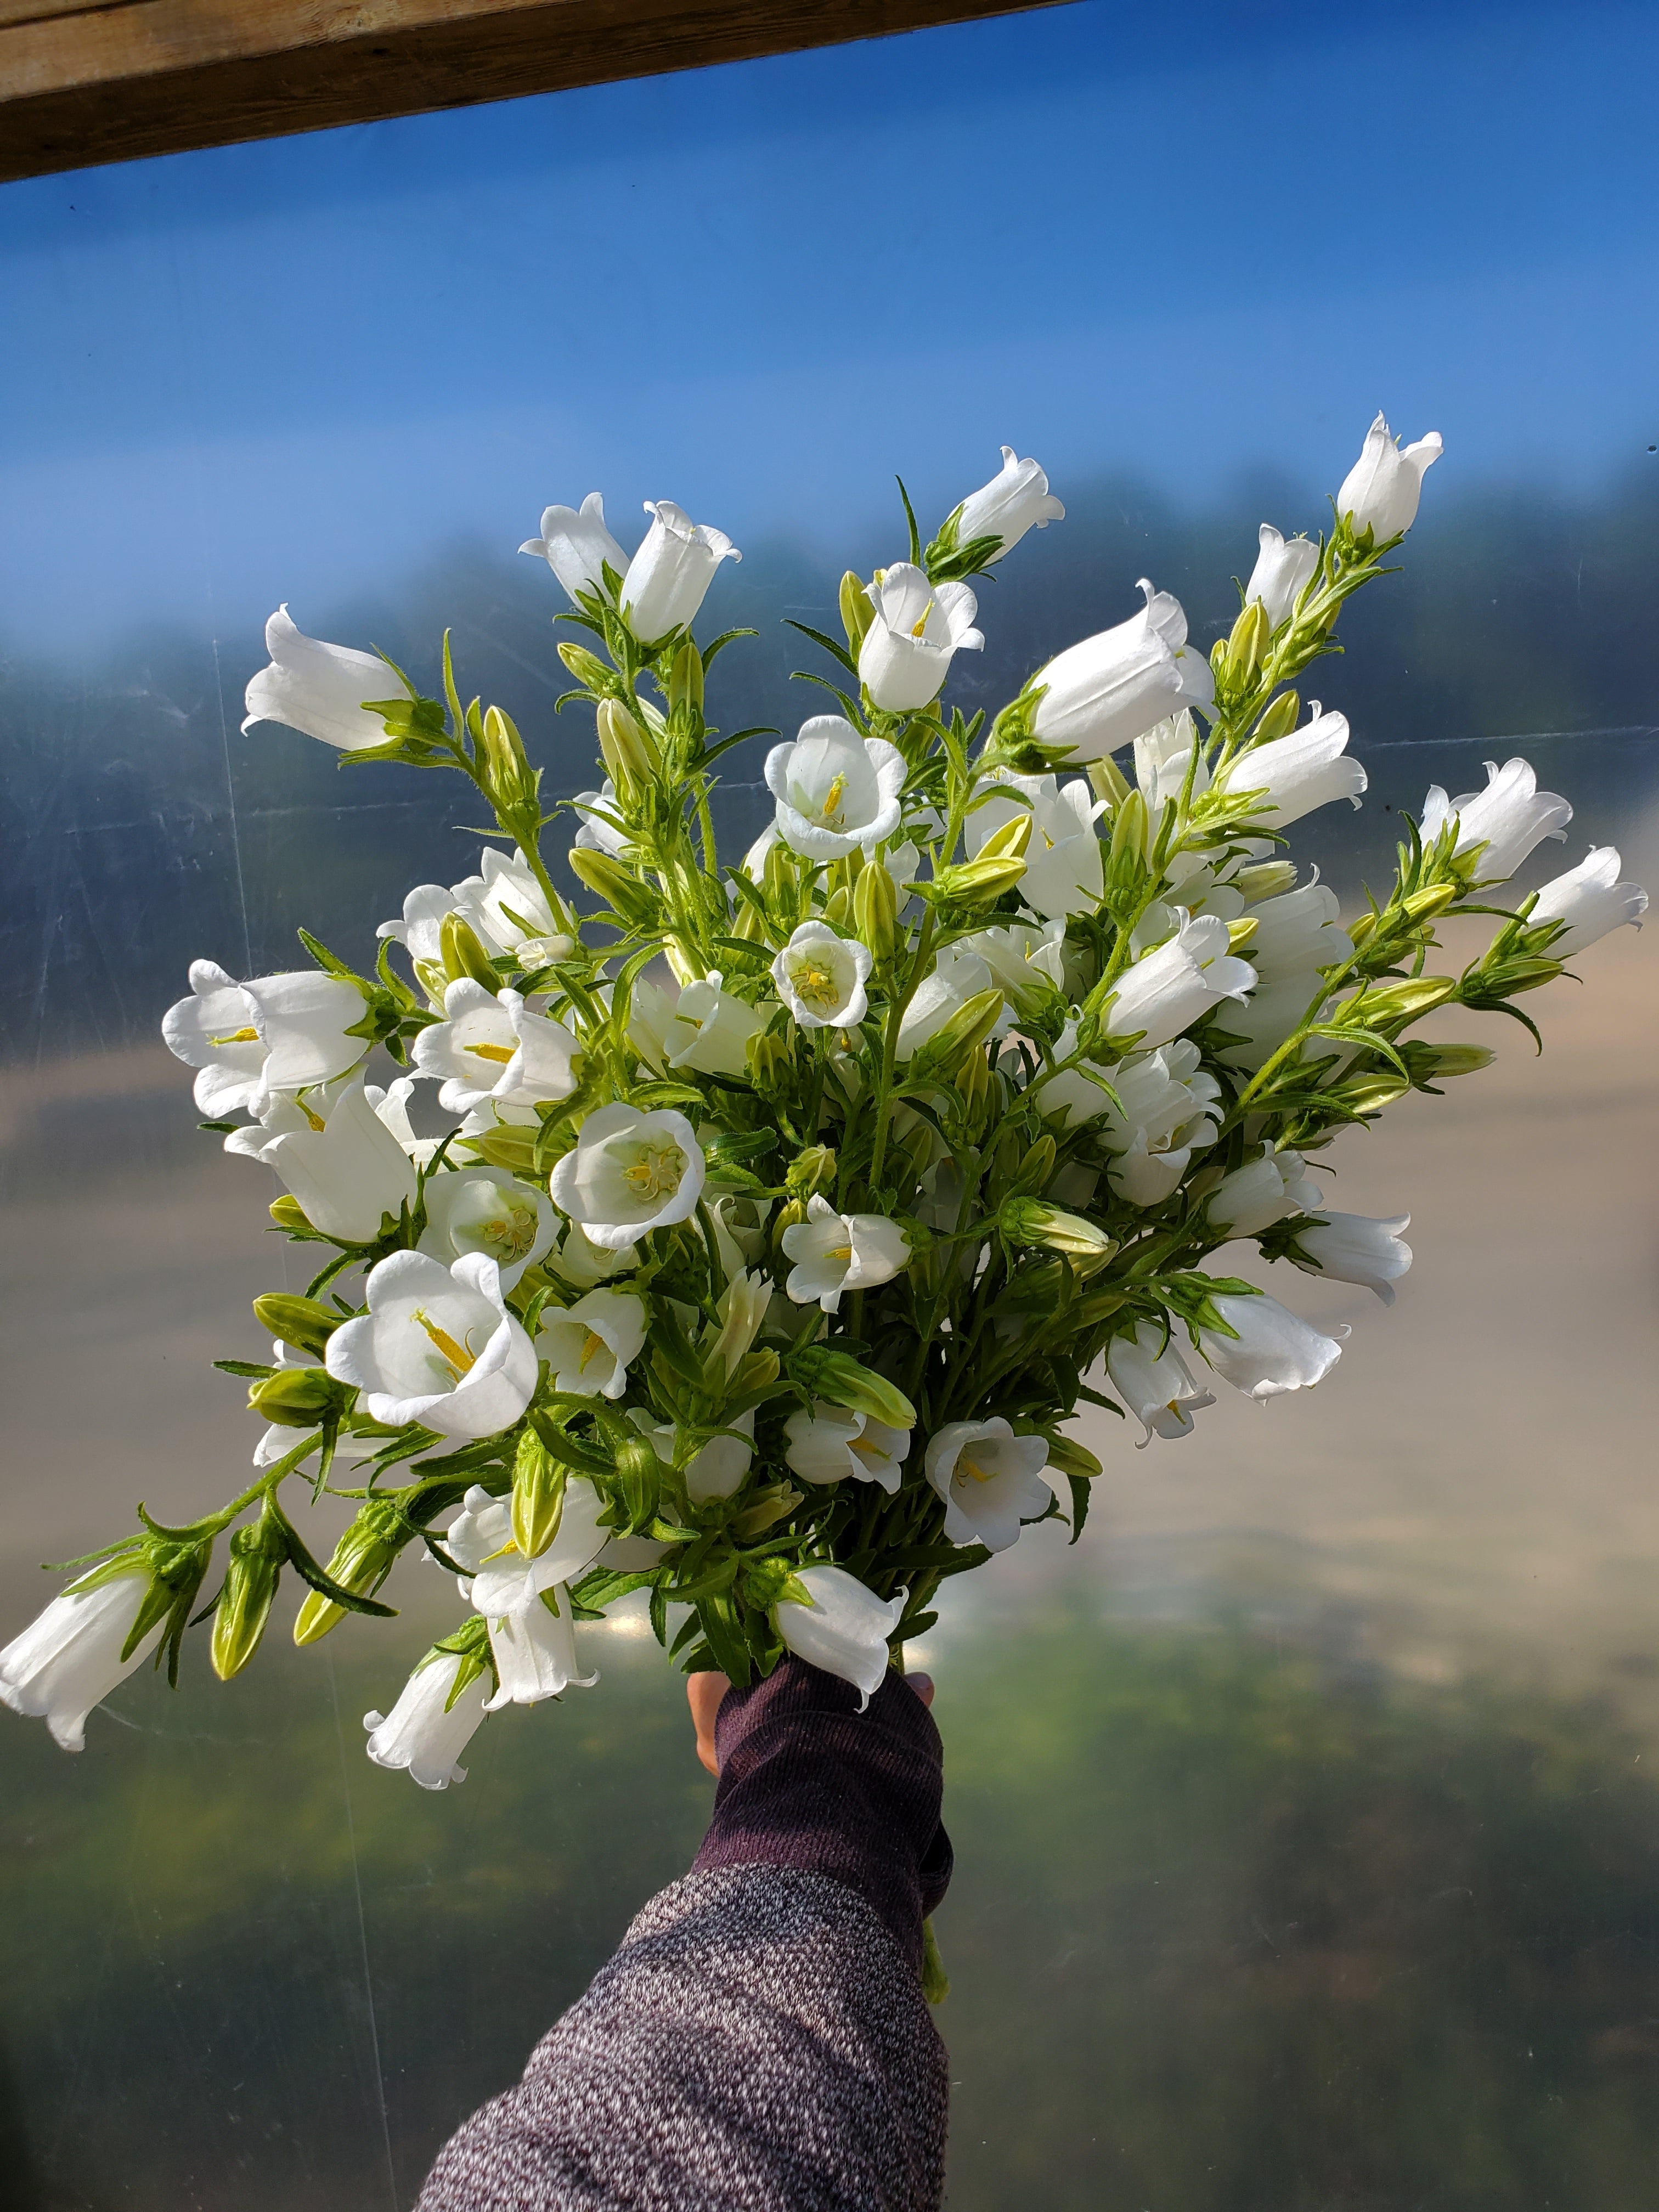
x: 815, y: 983
x: 502, y: 1052
x: 315, y: 1120
x: 840, y: 1252
x: 512, y: 1232
x: 832, y: 799
x: 917, y: 628
x: 592, y: 1343
x: 975, y: 1471
x: 236, y: 1036
x: 871, y: 1453
x: 656, y: 1174
x: 459, y: 1360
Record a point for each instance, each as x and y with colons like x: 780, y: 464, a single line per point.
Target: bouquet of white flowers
x: 785, y: 1212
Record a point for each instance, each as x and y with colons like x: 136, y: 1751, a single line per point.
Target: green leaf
x: 829, y: 645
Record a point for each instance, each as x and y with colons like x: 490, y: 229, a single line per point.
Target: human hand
x: 703, y: 1693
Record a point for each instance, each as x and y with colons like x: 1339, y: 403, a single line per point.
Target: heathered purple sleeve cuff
x: 807, y: 1781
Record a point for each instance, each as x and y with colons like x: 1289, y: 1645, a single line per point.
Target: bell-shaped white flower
x: 1063, y: 861
x: 1263, y: 1191
x: 669, y: 577
x: 497, y: 1578
x: 214, y: 1031
x: 1017, y: 499
x: 717, y: 1468
x: 303, y: 1019
x: 542, y: 1069
x: 508, y: 908
x: 834, y: 789
x: 577, y: 547
x: 1170, y: 987
x: 469, y: 1050
x: 1164, y: 761
x: 1306, y: 769
x: 583, y: 1264
x: 488, y: 1210
x: 1355, y: 1249
x: 437, y: 1346
x: 419, y: 929
x: 1148, y: 1170
x: 600, y: 815
x: 392, y: 1104
x: 1590, y: 899
x: 958, y: 975
x: 1298, y: 932
x: 69, y: 1659
x: 1099, y: 694
x: 423, y: 1733
x: 1026, y: 963
x: 844, y: 1629
x: 832, y: 1253
x: 1271, y: 1351
x: 1282, y: 567
x: 990, y: 1479
x: 590, y: 1346
x: 535, y: 1652
x: 1381, y: 491
x: 319, y: 688
x: 710, y: 1027
x: 821, y: 977
x: 827, y: 1444
x: 1508, y: 818
x: 1155, y: 1383
x: 740, y: 1228
x: 347, y: 1170
x: 916, y: 629
x: 630, y: 1173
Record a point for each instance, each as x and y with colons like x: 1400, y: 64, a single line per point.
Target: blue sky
x: 1186, y: 242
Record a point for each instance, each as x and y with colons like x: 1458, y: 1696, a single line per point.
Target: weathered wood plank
x: 83, y: 83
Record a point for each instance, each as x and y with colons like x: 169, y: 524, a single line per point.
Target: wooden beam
x: 91, y: 81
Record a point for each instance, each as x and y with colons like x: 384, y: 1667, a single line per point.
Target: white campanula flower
x: 1296, y: 931
x: 1271, y: 1351
x: 600, y: 814
x: 827, y: 1444
x: 740, y: 1225
x: 1026, y: 963
x: 990, y: 1479
x: 419, y: 929
x: 1355, y: 1249
x: 497, y: 1577
x: 508, y: 908
x: 832, y: 1253
x: 488, y: 1210
x: 392, y: 1104
x: 1111, y: 687
x: 582, y: 1263
x: 424, y: 1734
x: 1164, y: 761
x: 702, y: 1026
x: 958, y: 975
x: 917, y: 628
x: 344, y: 1167
x: 630, y: 1173
x: 577, y: 547
x: 590, y: 1346
x: 69, y: 1659
x: 214, y: 1031
x: 1063, y: 861
x: 1155, y: 1383
x: 844, y: 1629
x: 302, y: 1019
x: 1298, y: 772
x: 1590, y: 900
x: 1170, y: 987
x: 1165, y: 1100
x: 821, y: 977
x: 834, y: 789
x: 535, y: 1651
x: 1017, y: 499
x: 494, y: 1046
x: 1282, y: 567
x: 319, y: 688
x: 714, y: 1469
x: 1381, y: 491
x: 1263, y: 1191
x: 437, y: 1346
x: 669, y: 577
x: 1508, y: 818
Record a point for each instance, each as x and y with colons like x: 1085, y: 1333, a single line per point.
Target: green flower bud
x: 1128, y: 837
x: 288, y: 1213
x: 1399, y: 1002
x: 975, y: 883
x: 1246, y: 645
x: 764, y: 1510
x: 685, y: 679
x: 511, y: 780
x: 1034, y: 1221
x: 811, y: 1171
x: 1240, y: 933
x: 1010, y: 841
x: 1032, y: 1176
x: 770, y: 1058
x: 257, y: 1554
x: 1438, y: 1060
x: 626, y: 748
x: 844, y: 1381
x: 1108, y: 780
x: 1279, y: 719
x: 299, y: 1397
x: 875, y: 911
x: 638, y: 1481
x: 1067, y: 1456
x: 634, y: 901
x: 966, y: 1030
x: 856, y: 611
x: 303, y: 1322
x: 587, y: 668
x: 362, y: 1560
x: 538, y: 1481
x: 463, y: 953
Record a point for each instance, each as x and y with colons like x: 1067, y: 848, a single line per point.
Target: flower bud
x: 463, y: 953
x: 587, y: 668
x: 839, y: 1378
x: 1010, y: 841
x: 1240, y: 933
x: 508, y: 775
x: 1399, y: 1002
x: 257, y: 1554
x: 811, y: 1171
x: 638, y: 1481
x: 538, y: 1481
x: 1266, y: 880
x: 975, y: 883
x: 769, y: 1058
x: 857, y: 612
x: 622, y: 891
x: 875, y: 911
x: 305, y: 1323
x: 1370, y: 1094
x: 1070, y: 1457
x: 789, y: 1215
x: 287, y: 1212
x: 685, y: 679
x: 1034, y: 1169
x: 1129, y: 826
x: 764, y: 1510
x: 623, y: 744
x: 1108, y: 780
x: 1438, y: 1060
x: 362, y: 1560
x: 299, y: 1397
x: 1246, y: 645
x: 966, y: 1030
x: 1034, y: 1221
x: 1278, y: 719
x: 838, y: 907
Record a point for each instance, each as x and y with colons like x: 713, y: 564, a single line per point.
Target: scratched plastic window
x: 1305, y: 1812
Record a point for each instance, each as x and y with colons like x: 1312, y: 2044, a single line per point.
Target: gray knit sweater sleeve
x: 759, y: 2042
